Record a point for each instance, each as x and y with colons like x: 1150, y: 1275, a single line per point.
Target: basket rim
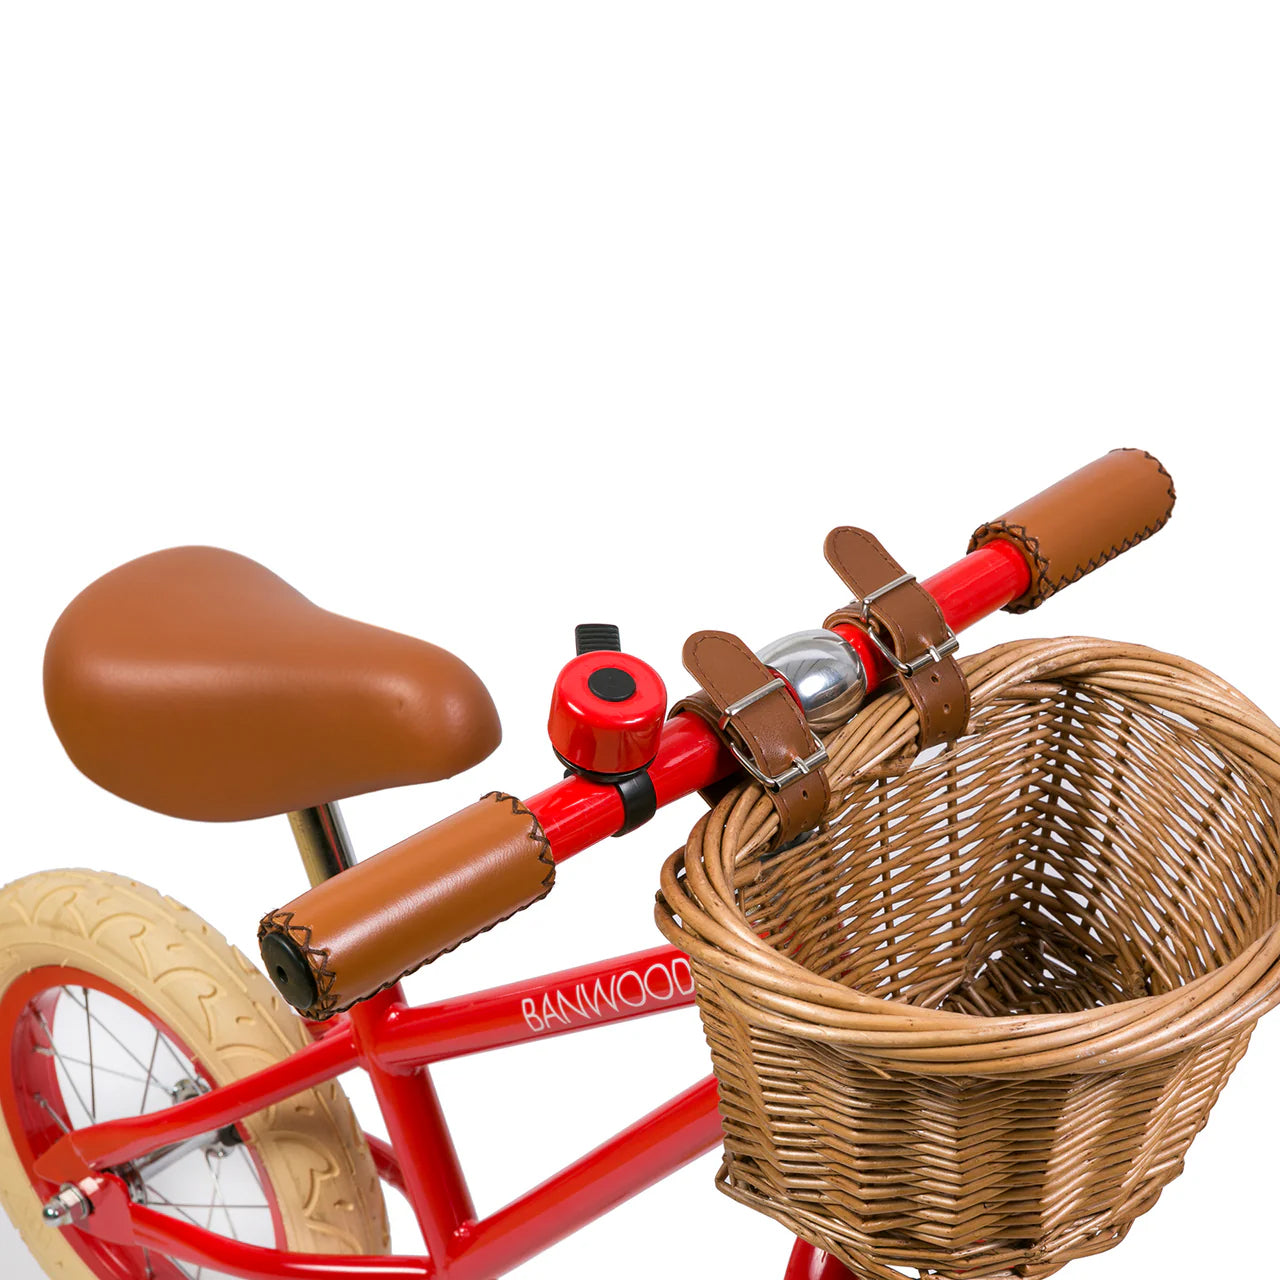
x: 697, y: 909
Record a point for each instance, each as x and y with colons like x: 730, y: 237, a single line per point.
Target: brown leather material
x: 700, y: 705
x: 772, y: 732
x: 909, y: 621
x: 195, y: 682
x: 376, y: 923
x: 1078, y: 524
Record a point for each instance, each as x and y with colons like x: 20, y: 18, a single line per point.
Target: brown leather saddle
x: 195, y: 682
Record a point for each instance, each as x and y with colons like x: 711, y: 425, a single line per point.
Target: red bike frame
x: 396, y: 1044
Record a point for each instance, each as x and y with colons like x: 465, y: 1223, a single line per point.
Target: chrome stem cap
x: 825, y: 672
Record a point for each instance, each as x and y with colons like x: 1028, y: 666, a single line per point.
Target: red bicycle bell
x: 607, y: 709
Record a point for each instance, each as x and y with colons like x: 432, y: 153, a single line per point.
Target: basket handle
x: 1078, y: 524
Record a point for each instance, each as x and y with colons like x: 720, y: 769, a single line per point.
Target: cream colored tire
x: 310, y: 1148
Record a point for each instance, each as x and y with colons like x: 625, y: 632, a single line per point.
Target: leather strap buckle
x: 864, y: 603
x: 752, y: 710
x: 799, y: 766
x: 944, y: 648
x: 933, y: 653
x: 906, y: 627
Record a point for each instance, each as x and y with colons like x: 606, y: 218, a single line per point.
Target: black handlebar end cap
x: 288, y: 968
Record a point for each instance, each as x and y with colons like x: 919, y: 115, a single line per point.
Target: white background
x: 476, y: 321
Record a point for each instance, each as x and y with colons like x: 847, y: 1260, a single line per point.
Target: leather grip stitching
x: 1029, y: 543
x: 1043, y: 586
x: 548, y: 881
x: 318, y: 958
x: 537, y: 835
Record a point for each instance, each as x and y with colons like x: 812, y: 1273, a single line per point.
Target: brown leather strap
x: 771, y: 732
x: 907, y: 621
x: 374, y: 924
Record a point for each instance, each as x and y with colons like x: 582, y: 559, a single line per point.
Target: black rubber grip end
x: 287, y: 967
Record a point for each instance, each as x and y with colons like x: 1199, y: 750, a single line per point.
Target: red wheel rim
x: 37, y: 1113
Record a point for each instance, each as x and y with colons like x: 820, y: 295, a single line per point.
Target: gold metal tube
x: 322, y: 840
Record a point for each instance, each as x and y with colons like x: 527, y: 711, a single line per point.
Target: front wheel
x: 115, y: 1002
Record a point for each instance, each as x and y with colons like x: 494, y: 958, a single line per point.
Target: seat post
x: 322, y: 840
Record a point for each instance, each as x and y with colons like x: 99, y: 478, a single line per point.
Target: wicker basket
x: 972, y: 1024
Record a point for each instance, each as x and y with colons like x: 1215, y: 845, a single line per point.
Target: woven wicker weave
x: 973, y: 1023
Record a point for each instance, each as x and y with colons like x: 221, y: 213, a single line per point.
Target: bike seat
x: 195, y: 682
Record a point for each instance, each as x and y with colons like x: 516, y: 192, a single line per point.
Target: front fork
x: 809, y: 1263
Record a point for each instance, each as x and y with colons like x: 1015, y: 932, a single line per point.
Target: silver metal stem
x: 322, y: 840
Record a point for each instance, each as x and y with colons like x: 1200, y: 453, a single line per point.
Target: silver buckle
x: 934, y: 653
x: 865, y: 603
x: 799, y: 768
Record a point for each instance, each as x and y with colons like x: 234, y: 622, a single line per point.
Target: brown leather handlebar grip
x: 364, y: 930
x: 1078, y: 524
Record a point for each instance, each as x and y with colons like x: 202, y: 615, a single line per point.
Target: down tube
x: 648, y: 1151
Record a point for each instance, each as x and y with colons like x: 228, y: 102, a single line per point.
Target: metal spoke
x: 80, y: 1062
x: 208, y: 1225
x: 168, y: 1204
x: 93, y: 1079
x: 210, y: 1162
x: 185, y: 1068
x: 57, y: 1119
x: 66, y: 1070
x: 253, y: 1168
x: 98, y: 1033
x: 151, y: 1066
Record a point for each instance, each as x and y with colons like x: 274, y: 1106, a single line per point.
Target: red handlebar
x: 357, y: 934
x: 575, y: 814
